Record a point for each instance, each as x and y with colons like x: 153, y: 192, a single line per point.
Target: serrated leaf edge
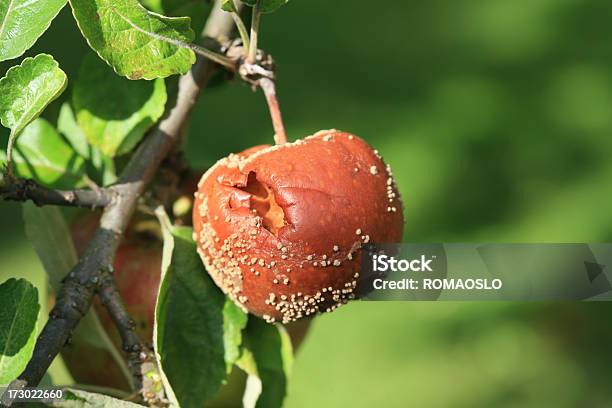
x: 179, y: 72
x: 36, y: 39
x: 24, y: 63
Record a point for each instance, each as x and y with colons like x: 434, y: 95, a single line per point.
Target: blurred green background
x: 496, y: 116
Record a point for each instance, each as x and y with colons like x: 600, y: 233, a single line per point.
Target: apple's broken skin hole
x: 261, y: 200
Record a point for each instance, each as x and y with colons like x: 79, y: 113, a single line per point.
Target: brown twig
x: 16, y: 189
x: 75, y: 295
x: 132, y: 345
x: 140, y: 357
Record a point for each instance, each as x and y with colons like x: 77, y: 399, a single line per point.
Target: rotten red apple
x: 279, y: 227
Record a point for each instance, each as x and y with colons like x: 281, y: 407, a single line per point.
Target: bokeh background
x: 496, y: 116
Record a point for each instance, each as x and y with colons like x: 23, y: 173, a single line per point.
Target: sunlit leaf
x: 22, y: 22
x: 67, y: 126
x: 115, y: 31
x: 18, y: 315
x: 27, y: 89
x: 197, y: 10
x: 43, y: 155
x: 113, y: 112
x: 101, y: 167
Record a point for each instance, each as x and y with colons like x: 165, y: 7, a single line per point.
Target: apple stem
x: 252, y: 56
x: 269, y: 90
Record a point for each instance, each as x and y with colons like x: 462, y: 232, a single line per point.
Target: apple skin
x: 279, y: 227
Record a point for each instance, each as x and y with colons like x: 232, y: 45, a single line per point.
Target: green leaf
x: 43, y: 155
x: 155, y: 6
x: 197, y: 10
x: 197, y: 328
x: 267, y: 357
x: 234, y: 320
x: 102, y: 166
x: 105, y: 172
x: 18, y: 315
x: 267, y: 6
x: 113, y: 112
x: 228, y: 5
x: 114, y: 29
x: 67, y: 125
x: 27, y: 89
x: 2, y: 165
x: 22, y: 22
x: 83, y: 399
x: 49, y: 235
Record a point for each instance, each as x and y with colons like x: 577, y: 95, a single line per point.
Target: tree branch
x: 17, y: 189
x: 75, y: 296
x: 140, y: 358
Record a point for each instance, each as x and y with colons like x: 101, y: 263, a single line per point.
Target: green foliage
x: 267, y: 358
x: 115, y: 31
x: 69, y: 128
x: 197, y: 10
x: 22, y: 22
x: 49, y: 235
x: 267, y: 6
x: 228, y: 5
x: 43, y: 155
x: 113, y: 112
x: 18, y: 315
x: 27, y: 89
x: 234, y: 320
x: 82, y: 399
x: 104, y: 172
x: 101, y: 167
x: 198, y: 329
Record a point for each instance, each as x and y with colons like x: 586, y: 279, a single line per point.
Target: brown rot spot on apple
x: 279, y: 227
x: 263, y: 202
